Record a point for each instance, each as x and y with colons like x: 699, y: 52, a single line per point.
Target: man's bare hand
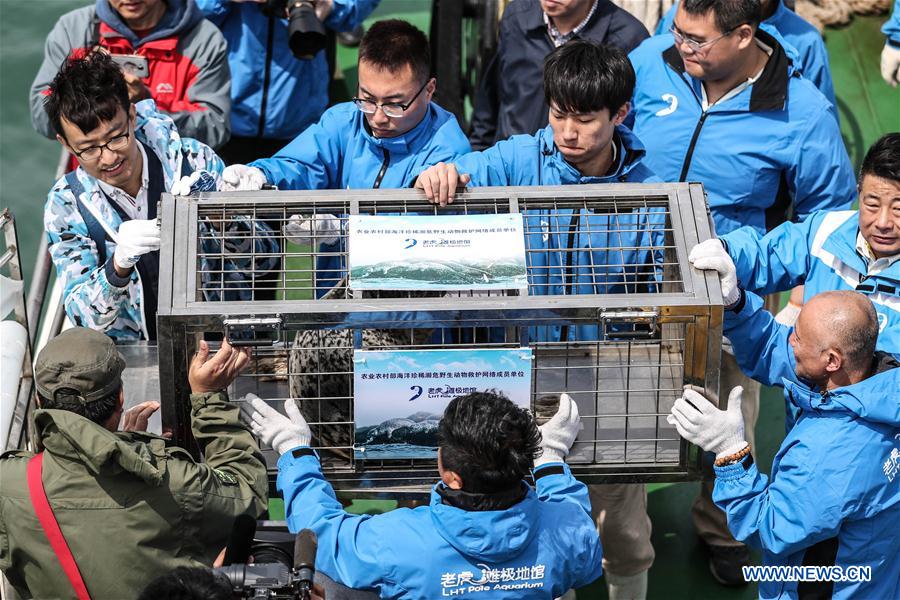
x: 214, y: 374
x: 440, y: 182
x: 137, y: 417
x: 137, y: 91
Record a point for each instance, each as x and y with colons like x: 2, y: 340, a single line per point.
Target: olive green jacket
x: 130, y: 506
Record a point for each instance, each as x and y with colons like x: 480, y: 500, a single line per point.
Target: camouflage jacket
x: 91, y: 299
x: 130, y: 505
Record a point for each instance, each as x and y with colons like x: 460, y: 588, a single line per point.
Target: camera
x: 283, y: 565
x: 306, y: 33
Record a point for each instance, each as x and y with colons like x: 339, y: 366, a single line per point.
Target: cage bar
x: 647, y: 323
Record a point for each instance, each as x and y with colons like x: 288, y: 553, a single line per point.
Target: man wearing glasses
x: 797, y: 32
x: 382, y: 139
x: 100, y: 219
x: 721, y: 102
x: 390, y: 131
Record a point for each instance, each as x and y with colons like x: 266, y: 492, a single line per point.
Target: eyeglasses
x: 95, y: 152
x: 694, y: 45
x: 391, y: 109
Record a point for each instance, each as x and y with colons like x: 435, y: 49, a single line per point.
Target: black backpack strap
x: 95, y: 230
x: 186, y: 168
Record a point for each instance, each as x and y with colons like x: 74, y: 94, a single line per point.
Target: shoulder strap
x: 51, y: 528
x: 186, y: 168
x: 95, y: 229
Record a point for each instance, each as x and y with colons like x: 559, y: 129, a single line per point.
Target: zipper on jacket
x: 270, y: 37
x: 384, y: 166
x: 690, y: 150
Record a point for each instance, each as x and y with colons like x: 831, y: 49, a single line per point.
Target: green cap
x: 80, y: 359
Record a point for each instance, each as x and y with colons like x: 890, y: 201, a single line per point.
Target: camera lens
x: 306, y: 33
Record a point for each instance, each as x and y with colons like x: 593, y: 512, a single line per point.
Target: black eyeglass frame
x: 403, y: 107
x: 101, y: 147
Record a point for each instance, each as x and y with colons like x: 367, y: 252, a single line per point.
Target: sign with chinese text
x: 447, y: 252
x: 400, y: 395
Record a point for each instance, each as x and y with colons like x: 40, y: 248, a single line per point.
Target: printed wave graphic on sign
x: 441, y: 273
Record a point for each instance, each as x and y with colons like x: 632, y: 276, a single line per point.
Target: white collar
x: 134, y: 207
x: 875, y: 265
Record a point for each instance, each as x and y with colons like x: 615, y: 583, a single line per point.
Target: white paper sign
x: 452, y: 252
x: 400, y: 395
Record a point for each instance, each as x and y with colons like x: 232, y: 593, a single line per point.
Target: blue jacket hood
x: 874, y: 399
x: 180, y: 16
x: 630, y: 154
x: 494, y: 535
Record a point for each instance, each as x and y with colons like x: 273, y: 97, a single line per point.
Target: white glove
x: 300, y: 229
x: 890, y: 65
x: 273, y: 428
x: 198, y: 181
x: 135, y: 239
x: 559, y: 433
x: 788, y: 315
x: 710, y: 255
x: 241, y: 178
x: 702, y: 424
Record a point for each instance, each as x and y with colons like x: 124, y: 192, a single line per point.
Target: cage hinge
x: 624, y: 324
x: 253, y: 331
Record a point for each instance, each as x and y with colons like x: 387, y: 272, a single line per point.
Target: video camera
x: 306, y: 33
x: 283, y: 565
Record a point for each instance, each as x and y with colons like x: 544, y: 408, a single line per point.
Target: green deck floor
x: 868, y: 108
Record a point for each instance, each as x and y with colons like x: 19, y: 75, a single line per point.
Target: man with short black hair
x: 389, y: 130
x: 722, y: 102
x: 382, y: 139
x: 510, y: 99
x: 806, y: 39
x: 833, y: 500
x: 100, y: 219
x: 483, y: 520
x: 129, y: 505
x: 587, y: 87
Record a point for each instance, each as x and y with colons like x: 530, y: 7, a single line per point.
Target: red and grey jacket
x: 187, y: 57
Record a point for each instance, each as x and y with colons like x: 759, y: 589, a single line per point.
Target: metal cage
x: 653, y: 323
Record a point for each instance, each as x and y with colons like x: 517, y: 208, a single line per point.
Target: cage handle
x: 245, y: 332
x: 610, y: 319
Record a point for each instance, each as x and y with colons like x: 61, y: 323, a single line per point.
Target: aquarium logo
x: 499, y: 579
x: 410, y: 243
x: 416, y: 390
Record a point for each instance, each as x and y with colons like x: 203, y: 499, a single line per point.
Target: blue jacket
x: 834, y: 495
x: 258, y: 51
x: 772, y: 145
x: 819, y: 253
x: 797, y: 32
x: 510, y: 97
x: 537, y: 548
x: 891, y: 27
x: 535, y: 160
x: 338, y: 152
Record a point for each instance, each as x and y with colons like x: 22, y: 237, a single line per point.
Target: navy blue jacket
x: 510, y: 98
x: 773, y: 146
